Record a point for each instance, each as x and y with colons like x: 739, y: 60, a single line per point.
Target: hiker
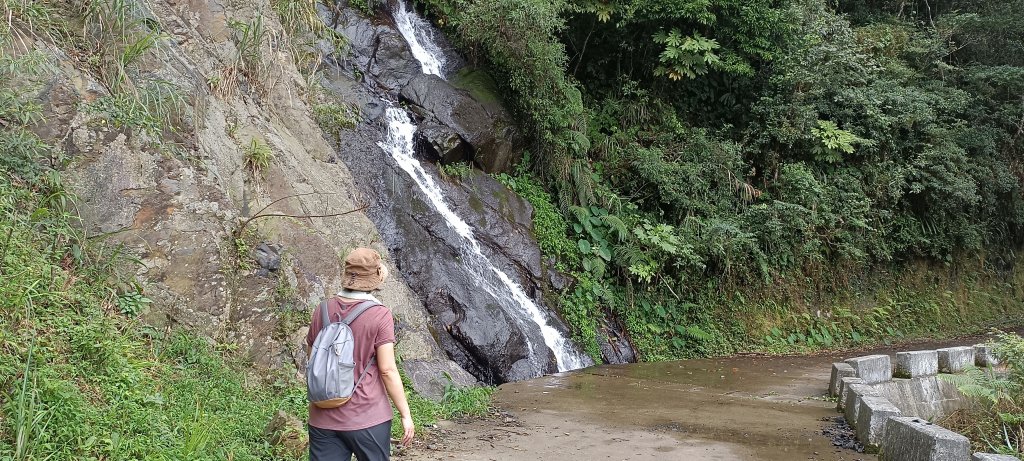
x: 362, y: 425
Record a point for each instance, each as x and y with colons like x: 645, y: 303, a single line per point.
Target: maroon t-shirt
x: 369, y: 405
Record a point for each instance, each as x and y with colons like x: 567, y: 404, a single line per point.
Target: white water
x: 514, y: 301
x: 418, y: 34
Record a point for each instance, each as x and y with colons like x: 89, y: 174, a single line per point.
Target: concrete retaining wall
x: 955, y: 359
x: 891, y: 414
x: 992, y: 457
x: 914, y: 439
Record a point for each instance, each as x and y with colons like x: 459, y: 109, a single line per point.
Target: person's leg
x: 371, y: 444
x: 327, y: 445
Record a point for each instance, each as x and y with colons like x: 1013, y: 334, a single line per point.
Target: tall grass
x: 89, y: 383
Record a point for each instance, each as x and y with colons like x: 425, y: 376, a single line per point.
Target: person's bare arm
x: 393, y: 384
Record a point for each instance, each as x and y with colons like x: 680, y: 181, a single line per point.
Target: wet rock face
x: 439, y: 143
x: 377, y: 49
x: 467, y: 322
x: 484, y: 132
x: 489, y: 130
x: 615, y: 347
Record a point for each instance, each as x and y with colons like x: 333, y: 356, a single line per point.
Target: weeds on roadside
x: 996, y: 424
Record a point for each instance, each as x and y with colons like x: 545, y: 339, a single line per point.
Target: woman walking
x: 362, y: 426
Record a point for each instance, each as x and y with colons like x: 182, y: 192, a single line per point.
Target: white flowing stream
x: 511, y: 297
x: 419, y: 35
x: 399, y: 143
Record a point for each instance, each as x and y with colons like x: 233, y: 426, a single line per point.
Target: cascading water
x: 417, y: 33
x: 513, y: 300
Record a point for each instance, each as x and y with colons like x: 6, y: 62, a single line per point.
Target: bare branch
x: 245, y: 223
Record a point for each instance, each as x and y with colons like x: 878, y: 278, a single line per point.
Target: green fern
x: 615, y: 223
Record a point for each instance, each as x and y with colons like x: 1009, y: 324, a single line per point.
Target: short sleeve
x: 385, y: 329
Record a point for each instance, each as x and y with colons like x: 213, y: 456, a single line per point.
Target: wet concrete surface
x: 736, y: 408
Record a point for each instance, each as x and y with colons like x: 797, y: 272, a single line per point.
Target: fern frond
x: 581, y: 214
x: 696, y: 332
x: 584, y: 183
x: 958, y: 380
x: 616, y: 225
x: 629, y: 255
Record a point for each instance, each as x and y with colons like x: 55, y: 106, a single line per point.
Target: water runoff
x: 398, y: 142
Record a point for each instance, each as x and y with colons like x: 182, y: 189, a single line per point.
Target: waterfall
x: 509, y: 295
x: 418, y: 34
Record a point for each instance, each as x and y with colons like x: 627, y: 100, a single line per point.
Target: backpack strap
x: 351, y: 317
x: 358, y: 310
x: 324, y: 318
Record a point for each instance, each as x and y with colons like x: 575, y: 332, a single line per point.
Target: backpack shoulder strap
x: 358, y: 310
x: 324, y: 317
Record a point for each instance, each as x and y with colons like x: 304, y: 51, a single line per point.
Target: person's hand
x: 410, y: 430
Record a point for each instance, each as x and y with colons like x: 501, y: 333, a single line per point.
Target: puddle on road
x: 738, y: 408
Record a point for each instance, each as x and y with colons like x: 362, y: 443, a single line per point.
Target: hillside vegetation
x: 767, y: 174
x: 81, y: 376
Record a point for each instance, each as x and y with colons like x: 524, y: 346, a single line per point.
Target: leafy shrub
x: 334, y: 117
x: 998, y: 423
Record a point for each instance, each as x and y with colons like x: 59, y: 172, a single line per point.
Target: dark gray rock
x: 615, y: 347
x: 440, y: 143
x: 431, y: 379
x: 268, y: 256
x: 377, y: 50
x: 504, y: 220
x: 489, y: 130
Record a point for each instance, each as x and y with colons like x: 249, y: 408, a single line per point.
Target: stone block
x: 844, y: 387
x: 872, y: 415
x: 992, y: 457
x: 915, y: 364
x: 955, y: 359
x: 914, y: 439
x: 840, y: 370
x: 873, y: 369
x: 854, y: 399
x: 984, y: 356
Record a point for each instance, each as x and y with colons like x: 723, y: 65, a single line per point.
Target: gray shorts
x: 370, y: 444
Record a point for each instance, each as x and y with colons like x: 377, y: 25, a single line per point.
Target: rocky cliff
x: 244, y: 140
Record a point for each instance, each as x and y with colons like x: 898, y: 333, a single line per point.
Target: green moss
x: 479, y: 84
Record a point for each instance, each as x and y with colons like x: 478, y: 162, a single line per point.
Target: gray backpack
x: 330, y: 372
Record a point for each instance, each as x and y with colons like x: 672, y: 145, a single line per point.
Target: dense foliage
x: 995, y: 423
x: 81, y: 377
x: 704, y: 152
